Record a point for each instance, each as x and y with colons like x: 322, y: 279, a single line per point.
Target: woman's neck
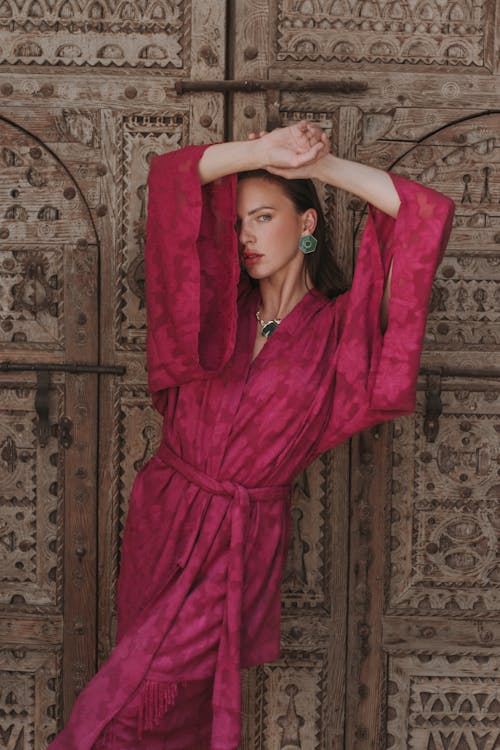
x: 280, y: 295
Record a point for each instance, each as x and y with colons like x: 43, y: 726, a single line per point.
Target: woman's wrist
x: 332, y: 170
x: 222, y: 159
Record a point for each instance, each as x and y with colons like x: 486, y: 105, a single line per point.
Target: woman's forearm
x: 368, y: 183
x: 225, y: 158
x: 293, y: 147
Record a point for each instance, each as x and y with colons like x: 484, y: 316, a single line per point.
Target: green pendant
x: 269, y: 328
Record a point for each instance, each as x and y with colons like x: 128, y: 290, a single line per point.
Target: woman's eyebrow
x: 260, y: 208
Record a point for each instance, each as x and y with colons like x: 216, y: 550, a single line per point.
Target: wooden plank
x: 32, y: 630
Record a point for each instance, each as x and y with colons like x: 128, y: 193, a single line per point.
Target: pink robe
x: 207, y: 531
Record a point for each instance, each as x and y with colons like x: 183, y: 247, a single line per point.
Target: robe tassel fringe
x: 107, y: 738
x: 155, y: 699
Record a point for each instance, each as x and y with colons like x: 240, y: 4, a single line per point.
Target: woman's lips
x: 250, y: 258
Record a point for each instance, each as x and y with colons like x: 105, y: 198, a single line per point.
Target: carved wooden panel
x: 93, y: 32
x: 445, y: 495
x: 439, y: 559
x: 289, y: 703
x: 48, y: 313
x: 31, y: 499
x: 444, y: 700
x: 28, y: 697
x: 409, y: 31
x: 422, y: 597
x: 144, y: 122
x: 142, y: 137
x: 103, y: 123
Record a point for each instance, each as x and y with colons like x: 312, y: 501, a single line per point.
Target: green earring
x: 308, y: 244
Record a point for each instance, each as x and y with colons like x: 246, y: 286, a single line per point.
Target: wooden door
x: 48, y: 436
x: 420, y: 81
x: 86, y: 98
x: 390, y: 597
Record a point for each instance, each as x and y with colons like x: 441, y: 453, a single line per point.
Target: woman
x: 255, y: 379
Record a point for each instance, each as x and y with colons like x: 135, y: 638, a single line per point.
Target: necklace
x: 269, y: 326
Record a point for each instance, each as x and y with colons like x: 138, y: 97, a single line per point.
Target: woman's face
x: 269, y: 228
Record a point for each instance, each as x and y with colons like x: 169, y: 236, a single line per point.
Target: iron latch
x: 342, y: 86
x: 62, y: 430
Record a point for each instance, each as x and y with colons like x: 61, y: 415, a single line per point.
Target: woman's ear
x: 310, y: 221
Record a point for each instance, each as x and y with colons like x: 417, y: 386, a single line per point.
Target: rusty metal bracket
x: 342, y: 86
x: 433, y: 406
x: 43, y: 370
x: 64, y: 432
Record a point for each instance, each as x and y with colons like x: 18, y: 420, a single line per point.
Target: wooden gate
x: 390, y: 599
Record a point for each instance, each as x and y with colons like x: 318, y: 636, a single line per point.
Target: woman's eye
x: 264, y: 217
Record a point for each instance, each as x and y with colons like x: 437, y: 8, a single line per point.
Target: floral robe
x: 206, y: 536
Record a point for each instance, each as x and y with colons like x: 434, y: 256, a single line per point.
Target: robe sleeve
x: 192, y: 272
x: 374, y: 375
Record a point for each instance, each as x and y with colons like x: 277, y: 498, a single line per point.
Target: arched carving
x: 32, y: 301
x: 384, y: 30
x: 152, y: 33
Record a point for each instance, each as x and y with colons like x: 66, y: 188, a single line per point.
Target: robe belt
x: 227, y: 687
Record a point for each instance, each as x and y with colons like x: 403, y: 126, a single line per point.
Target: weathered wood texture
x: 422, y: 652
x: 48, y: 310
x: 87, y: 97
x: 390, y: 597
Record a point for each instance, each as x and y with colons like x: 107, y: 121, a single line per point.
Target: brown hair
x: 321, y: 265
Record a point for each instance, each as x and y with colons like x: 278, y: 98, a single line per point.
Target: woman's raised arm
x: 368, y: 183
x: 292, y: 147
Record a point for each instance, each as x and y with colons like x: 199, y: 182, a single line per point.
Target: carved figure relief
x: 148, y: 33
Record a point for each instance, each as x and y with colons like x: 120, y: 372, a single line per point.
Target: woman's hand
x: 368, y: 183
x: 290, y: 151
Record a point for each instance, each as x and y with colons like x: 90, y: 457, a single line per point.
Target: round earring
x: 308, y: 244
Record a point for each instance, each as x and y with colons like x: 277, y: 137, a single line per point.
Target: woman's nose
x: 245, y: 235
